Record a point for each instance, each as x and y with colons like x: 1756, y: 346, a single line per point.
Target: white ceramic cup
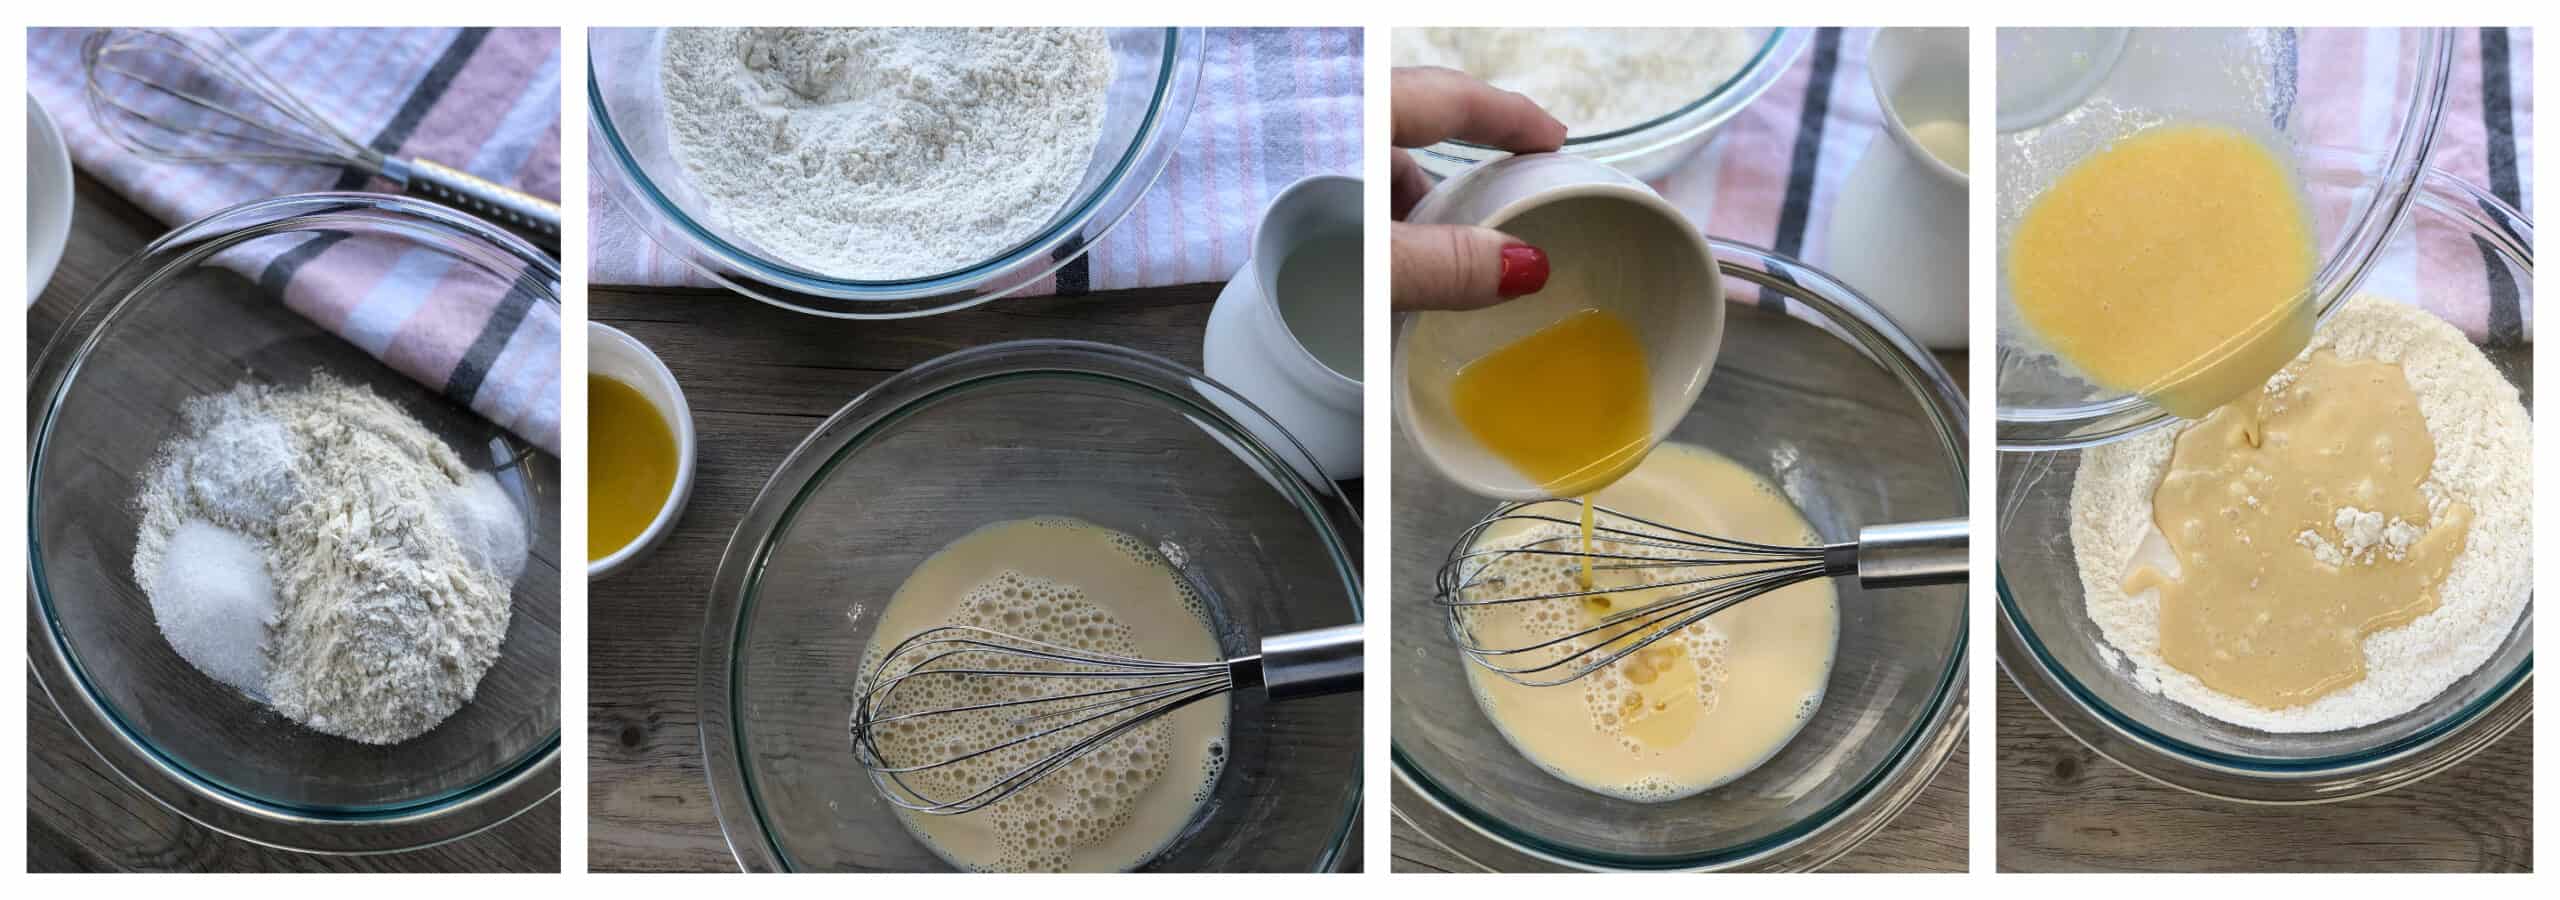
x: 48, y: 198
x: 1675, y: 304
x: 623, y: 358
x: 1898, y: 227
x: 1251, y: 347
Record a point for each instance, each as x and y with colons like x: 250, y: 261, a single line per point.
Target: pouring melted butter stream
x: 1060, y: 581
x: 1569, y: 406
x: 2299, y: 525
x: 1694, y: 710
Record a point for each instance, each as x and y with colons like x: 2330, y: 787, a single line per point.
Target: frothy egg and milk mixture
x: 1568, y: 407
x: 1693, y: 711
x: 1067, y: 582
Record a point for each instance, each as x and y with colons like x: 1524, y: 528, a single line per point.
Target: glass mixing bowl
x: 1012, y: 431
x: 2358, y: 177
x: 1651, y: 149
x: 1822, y: 396
x: 178, y: 321
x: 1156, y: 73
x: 2053, y: 652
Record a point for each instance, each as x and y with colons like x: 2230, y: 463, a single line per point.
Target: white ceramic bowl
x: 621, y: 357
x: 1677, y: 310
x: 48, y: 198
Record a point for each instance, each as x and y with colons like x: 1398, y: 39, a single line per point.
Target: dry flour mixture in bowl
x: 278, y: 586
x: 884, y: 172
x: 2321, y: 591
x: 1639, y: 99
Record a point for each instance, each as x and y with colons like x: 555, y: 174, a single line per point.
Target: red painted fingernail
x: 1524, y: 270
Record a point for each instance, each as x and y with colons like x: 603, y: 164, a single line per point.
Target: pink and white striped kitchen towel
x: 1274, y: 105
x: 1771, y: 176
x: 2485, y: 138
x: 480, y: 99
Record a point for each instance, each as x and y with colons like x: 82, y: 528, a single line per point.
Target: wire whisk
x: 1057, y: 703
x: 1682, y: 576
x: 197, y: 97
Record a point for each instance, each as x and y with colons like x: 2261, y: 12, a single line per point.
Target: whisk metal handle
x: 1303, y: 664
x: 534, y: 218
x: 1909, y: 554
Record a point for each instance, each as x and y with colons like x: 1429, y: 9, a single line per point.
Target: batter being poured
x: 1059, y: 581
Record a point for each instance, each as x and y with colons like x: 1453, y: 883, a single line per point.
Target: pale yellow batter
x: 1695, y: 710
x: 2300, y: 526
x: 1067, y: 582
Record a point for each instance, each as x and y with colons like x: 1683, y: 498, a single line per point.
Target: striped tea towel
x: 2485, y: 137
x: 1274, y: 105
x: 1770, y: 177
x: 483, y: 100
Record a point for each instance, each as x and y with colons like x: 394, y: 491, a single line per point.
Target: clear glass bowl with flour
x: 1639, y: 99
x: 2053, y: 649
x: 865, y: 173
x: 178, y: 323
x: 1820, y: 396
x: 958, y: 447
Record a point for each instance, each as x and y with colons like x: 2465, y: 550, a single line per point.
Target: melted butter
x: 2299, y: 527
x: 1694, y: 710
x: 631, y: 465
x: 1569, y: 405
x: 2174, y: 264
x: 1585, y: 579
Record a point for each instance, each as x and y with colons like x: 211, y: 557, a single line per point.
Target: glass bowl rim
x: 1168, y: 109
x: 915, y: 391
x: 2402, y: 170
x: 1883, y: 792
x: 1719, y: 104
x: 2027, y: 663
x: 506, y: 792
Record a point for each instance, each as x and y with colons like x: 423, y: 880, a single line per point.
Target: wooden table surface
x: 759, y: 380
x: 80, y: 815
x: 2063, y: 808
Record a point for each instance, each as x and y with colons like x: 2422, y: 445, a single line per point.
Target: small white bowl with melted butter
x: 1613, y: 245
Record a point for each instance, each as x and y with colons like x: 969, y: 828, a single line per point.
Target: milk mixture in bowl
x: 1066, y: 582
x: 1693, y: 711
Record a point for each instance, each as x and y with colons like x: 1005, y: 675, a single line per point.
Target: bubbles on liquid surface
x: 1082, y: 804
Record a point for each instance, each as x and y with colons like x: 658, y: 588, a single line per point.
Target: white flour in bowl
x: 886, y: 153
x: 2484, y: 450
x: 1592, y: 79
x: 309, y: 548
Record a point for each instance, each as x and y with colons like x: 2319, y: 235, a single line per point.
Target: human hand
x: 1459, y: 266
